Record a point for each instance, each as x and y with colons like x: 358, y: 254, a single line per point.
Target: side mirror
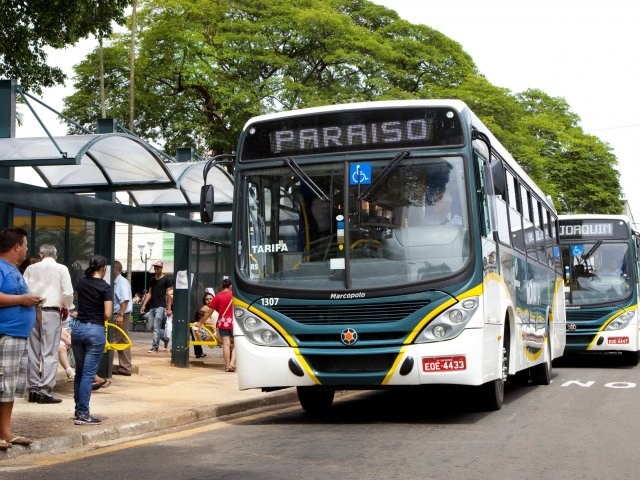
x: 206, y: 203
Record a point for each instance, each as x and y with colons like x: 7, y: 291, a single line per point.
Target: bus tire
x: 315, y: 400
x: 492, y: 393
x: 630, y: 358
x: 541, y: 374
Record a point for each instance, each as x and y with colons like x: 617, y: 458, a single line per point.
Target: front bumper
x: 350, y: 367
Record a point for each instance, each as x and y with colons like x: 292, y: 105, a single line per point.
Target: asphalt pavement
x: 155, y: 397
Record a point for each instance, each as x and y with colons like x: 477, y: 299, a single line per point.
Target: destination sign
x: 593, y: 229
x: 351, y: 130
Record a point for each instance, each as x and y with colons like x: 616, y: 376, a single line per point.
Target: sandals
x: 104, y: 384
x: 24, y: 441
x: 230, y: 369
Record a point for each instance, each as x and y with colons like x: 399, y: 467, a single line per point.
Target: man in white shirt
x: 439, y: 212
x: 50, y: 280
x: 122, y: 308
x: 611, y: 268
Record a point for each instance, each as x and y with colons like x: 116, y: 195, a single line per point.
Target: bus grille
x: 362, y: 337
x: 585, y: 315
x: 349, y: 314
x: 351, y: 363
x: 578, y: 342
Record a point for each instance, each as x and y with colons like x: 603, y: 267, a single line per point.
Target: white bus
x: 600, y: 254
x: 388, y: 244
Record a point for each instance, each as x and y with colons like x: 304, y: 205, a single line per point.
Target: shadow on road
x: 429, y: 404
x: 591, y: 360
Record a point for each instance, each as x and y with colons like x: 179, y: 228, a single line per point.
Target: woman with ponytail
x: 95, y: 307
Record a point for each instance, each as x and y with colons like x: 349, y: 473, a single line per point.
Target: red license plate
x: 618, y: 340
x: 444, y: 364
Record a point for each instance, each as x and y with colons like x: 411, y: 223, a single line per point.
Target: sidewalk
x: 157, y: 397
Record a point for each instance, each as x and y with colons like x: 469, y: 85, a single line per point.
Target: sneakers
x: 71, y: 374
x: 153, y: 350
x: 86, y: 420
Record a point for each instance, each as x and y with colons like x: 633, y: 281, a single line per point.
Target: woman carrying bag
x: 223, y: 304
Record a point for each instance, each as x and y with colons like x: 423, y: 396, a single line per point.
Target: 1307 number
x: 269, y: 301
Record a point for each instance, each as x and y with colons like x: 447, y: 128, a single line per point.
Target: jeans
x: 87, y: 341
x: 155, y: 320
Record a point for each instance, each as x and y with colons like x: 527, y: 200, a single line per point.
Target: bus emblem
x: 571, y: 327
x: 349, y: 336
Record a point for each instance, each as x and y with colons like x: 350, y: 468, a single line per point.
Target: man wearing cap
x: 159, y: 300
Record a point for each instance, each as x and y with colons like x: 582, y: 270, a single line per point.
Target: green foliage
x: 204, y: 67
x: 27, y: 28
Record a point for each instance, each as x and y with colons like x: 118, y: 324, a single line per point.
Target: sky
x: 584, y: 51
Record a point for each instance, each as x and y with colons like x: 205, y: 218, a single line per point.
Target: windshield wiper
x: 313, y: 186
x: 375, y: 184
x: 588, y: 255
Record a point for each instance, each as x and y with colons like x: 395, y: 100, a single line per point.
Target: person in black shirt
x: 88, y: 337
x: 158, y: 298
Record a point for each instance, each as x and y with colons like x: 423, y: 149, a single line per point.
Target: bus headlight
x: 621, y: 321
x: 449, y: 323
x: 256, y: 330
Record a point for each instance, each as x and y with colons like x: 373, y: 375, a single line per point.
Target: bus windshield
x: 599, y: 272
x: 346, y: 224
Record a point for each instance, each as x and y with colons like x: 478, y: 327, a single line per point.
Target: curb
x: 64, y: 444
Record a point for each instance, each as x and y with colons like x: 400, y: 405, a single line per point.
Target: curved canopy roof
x: 189, y: 179
x: 115, y: 162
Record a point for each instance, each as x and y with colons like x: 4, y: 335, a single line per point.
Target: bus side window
x: 482, y: 196
x: 515, y: 217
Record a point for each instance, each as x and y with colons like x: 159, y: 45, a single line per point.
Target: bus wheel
x: 630, y: 358
x: 541, y: 374
x: 315, y: 400
x: 492, y: 393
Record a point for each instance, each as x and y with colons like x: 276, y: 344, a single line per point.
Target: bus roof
x: 457, y: 105
x: 594, y: 216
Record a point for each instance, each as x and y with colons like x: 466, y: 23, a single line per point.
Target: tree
x: 579, y: 168
x: 27, y: 28
x: 204, y: 67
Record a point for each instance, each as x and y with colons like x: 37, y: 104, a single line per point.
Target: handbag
x: 222, y: 322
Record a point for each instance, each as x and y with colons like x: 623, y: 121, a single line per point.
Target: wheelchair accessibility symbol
x: 360, y: 174
x: 577, y: 250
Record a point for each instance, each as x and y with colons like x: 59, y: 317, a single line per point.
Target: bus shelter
x: 69, y: 191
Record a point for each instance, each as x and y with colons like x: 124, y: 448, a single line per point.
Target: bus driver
x: 439, y: 212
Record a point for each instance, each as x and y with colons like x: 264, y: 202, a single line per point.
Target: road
x: 583, y: 426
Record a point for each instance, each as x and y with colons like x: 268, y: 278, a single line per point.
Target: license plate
x: 618, y: 340
x: 444, y: 364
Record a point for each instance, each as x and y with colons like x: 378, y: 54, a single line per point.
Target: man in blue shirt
x: 17, y: 318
